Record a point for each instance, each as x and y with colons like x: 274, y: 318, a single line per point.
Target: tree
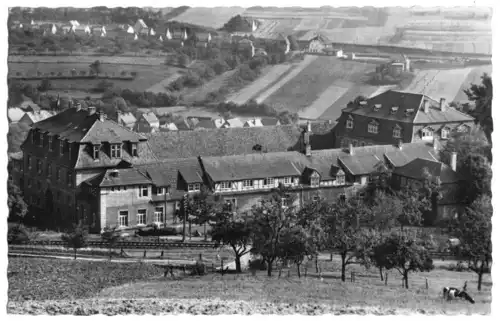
x: 296, y: 245
x: 405, y: 254
x: 271, y: 218
x: 17, y: 206
x: 235, y: 233
x: 342, y: 225
x: 482, y: 96
x: 76, y: 238
x: 368, y: 252
x: 183, y: 60
x: 202, y: 209
x: 96, y: 67
x: 473, y: 230
x: 110, y: 236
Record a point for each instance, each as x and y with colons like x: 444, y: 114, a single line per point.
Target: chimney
x: 351, y: 149
x: 91, y: 110
x: 426, y: 106
x: 102, y: 116
x: 308, y: 127
x: 453, y: 161
x: 442, y: 104
x: 435, y: 144
x: 78, y: 107
x: 400, y: 144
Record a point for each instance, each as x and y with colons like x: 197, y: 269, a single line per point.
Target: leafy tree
x: 477, y: 169
x: 270, y: 223
x: 235, y: 233
x: 473, y: 230
x: 342, y: 225
x: 405, y: 254
x: 465, y: 143
x: 17, y: 206
x: 76, y: 238
x: 482, y: 96
x: 368, y: 253
x: 110, y: 236
x: 202, y: 209
x: 96, y: 67
x: 296, y: 245
x: 183, y: 60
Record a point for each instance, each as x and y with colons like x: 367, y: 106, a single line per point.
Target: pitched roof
x: 37, y: 116
x: 255, y: 122
x: 224, y: 141
x: 205, y: 123
x: 80, y: 126
x: 141, y: 23
x: 151, y: 118
x: 415, y: 170
x: 234, y: 122
x: 268, y: 121
x: 166, y: 173
x: 251, y: 166
x: 121, y: 177
x: 360, y: 165
x: 128, y: 118
x: 15, y: 114
x: 203, y: 36
x: 389, y: 100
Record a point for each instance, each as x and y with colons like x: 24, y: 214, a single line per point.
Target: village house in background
x: 394, y: 115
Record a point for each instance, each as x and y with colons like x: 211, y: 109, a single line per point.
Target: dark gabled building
x: 63, y: 151
x: 394, y: 115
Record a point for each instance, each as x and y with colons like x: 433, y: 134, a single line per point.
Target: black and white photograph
x: 253, y: 158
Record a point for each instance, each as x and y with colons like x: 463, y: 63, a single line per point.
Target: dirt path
x: 160, y: 87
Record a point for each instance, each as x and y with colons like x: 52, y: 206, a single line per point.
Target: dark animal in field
x: 450, y: 293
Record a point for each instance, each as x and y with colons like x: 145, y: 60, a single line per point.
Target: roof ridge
x: 418, y: 109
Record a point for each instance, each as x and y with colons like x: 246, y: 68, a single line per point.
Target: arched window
x: 373, y: 127
x: 396, y: 132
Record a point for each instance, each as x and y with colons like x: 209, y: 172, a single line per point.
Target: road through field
x: 260, y: 84
x: 308, y: 59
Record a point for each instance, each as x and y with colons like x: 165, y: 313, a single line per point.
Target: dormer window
x: 427, y: 133
x: 61, y: 147
x: 409, y: 112
x: 95, y: 151
x: 463, y: 128
x: 49, y: 141
x: 314, y: 179
x: 396, y: 132
x: 377, y: 107
x: 160, y: 190
x: 373, y: 127
x: 340, y: 178
x: 394, y: 110
x: 133, y: 149
x: 349, y: 124
x: 445, y: 133
x: 116, y: 150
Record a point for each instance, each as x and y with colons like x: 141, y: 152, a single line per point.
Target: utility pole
x: 184, y: 212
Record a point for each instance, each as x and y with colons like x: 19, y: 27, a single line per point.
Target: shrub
x: 17, y: 235
x: 257, y: 265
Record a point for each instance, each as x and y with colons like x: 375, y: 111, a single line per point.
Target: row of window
x: 249, y: 183
x: 40, y: 171
x: 38, y: 137
x: 115, y: 150
x: 344, y: 143
x: 141, y: 216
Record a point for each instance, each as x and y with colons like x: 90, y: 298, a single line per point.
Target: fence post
x: 184, y: 269
x: 385, y: 278
x: 288, y: 273
x: 305, y: 271
x: 221, y: 267
x: 316, y: 263
x: 403, y: 282
x: 144, y: 253
x: 201, y: 259
x: 331, y: 256
x: 162, y: 253
x: 426, y: 284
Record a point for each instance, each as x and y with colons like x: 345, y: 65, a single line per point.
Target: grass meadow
x: 42, y: 279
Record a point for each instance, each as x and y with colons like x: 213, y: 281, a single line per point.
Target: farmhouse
x: 147, y: 123
x: 127, y: 120
x: 395, y: 115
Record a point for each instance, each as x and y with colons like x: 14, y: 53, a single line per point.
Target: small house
x: 126, y: 119
x: 253, y: 123
x: 140, y: 25
x: 234, y: 123
x: 147, y: 123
